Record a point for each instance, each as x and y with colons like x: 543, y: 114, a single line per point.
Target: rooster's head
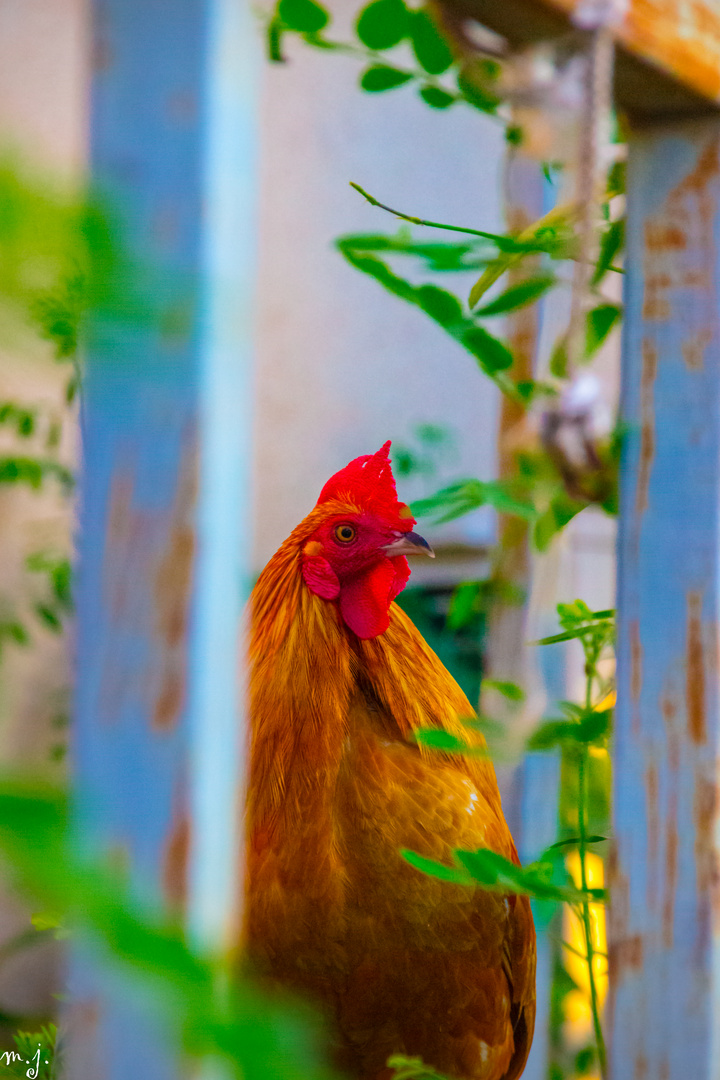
x: 356, y: 554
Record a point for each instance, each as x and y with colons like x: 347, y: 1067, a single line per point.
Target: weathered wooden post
x: 663, y: 1011
x: 165, y: 518
x: 666, y: 879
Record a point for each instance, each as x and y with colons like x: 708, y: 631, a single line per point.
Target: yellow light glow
x: 577, y: 1008
x: 578, y: 1013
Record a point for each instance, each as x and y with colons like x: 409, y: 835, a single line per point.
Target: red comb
x: 369, y: 482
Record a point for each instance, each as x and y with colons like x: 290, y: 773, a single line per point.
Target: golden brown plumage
x: 402, y: 963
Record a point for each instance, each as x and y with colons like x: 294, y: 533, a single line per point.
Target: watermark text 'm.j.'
x: 11, y: 1056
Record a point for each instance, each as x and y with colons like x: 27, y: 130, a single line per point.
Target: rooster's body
x: 340, y: 678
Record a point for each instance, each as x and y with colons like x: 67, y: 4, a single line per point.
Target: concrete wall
x: 342, y: 365
x: 44, y: 63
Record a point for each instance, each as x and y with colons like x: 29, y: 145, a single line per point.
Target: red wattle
x: 402, y: 575
x: 365, y: 598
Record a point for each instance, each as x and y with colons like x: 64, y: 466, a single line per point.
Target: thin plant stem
x: 430, y: 224
x: 576, y: 952
x: 582, y: 847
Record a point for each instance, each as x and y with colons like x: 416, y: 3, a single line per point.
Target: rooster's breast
x: 429, y: 963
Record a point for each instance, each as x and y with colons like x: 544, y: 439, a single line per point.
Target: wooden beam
x: 668, y: 58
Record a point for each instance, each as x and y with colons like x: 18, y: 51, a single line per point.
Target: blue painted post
x: 665, y: 881
x: 165, y: 510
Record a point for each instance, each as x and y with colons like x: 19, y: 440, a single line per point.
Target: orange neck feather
x: 304, y: 665
x: 300, y: 684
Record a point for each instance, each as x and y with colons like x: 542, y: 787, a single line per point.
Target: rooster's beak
x: 410, y: 543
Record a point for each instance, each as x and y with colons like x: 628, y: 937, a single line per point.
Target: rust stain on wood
x: 693, y: 350
x: 147, y: 582
x: 679, y: 250
x: 653, y: 831
x: 669, y: 712
x: 172, y: 593
x: 619, y: 888
x: 636, y: 660
x: 175, y: 862
x: 641, y: 1067
x: 705, y: 813
x: 671, y: 873
x: 647, y: 424
x: 660, y: 236
x: 695, y: 670
x: 626, y: 955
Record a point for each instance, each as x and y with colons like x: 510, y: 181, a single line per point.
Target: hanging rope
x: 596, y: 18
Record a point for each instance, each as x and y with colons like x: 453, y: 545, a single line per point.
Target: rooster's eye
x: 345, y: 533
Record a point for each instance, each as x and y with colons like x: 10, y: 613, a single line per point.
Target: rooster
x: 402, y: 963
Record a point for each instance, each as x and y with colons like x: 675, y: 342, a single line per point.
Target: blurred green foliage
x: 258, y: 1035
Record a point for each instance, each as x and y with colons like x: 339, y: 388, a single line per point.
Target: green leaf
x: 440, y: 305
x: 379, y: 77
x: 593, y: 728
x: 430, y: 47
x: 559, y: 359
x: 451, y: 502
x: 500, y: 496
x: 16, y: 631
x: 509, y: 690
x: 61, y: 577
x: 487, y: 867
x: 613, y: 241
x: 567, y: 635
x: 437, y: 98
x: 616, y: 180
x: 21, y: 470
x: 305, y: 16
x: 584, y: 1060
x: 47, y: 615
x: 439, y: 256
x: 23, y: 419
x: 463, y: 604
x: 518, y: 296
x: 472, y: 85
x: 370, y: 264
x: 437, y: 739
x: 436, y: 869
x: 494, y: 872
x: 575, y: 841
x: 433, y: 434
x: 383, y: 24
x: 561, y: 510
x: 466, y: 495
x: 59, y: 572
x: 531, y: 389
x: 492, y: 353
x: 600, y: 322
x: 46, y: 920
x: 274, y: 41
x: 407, y: 1068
